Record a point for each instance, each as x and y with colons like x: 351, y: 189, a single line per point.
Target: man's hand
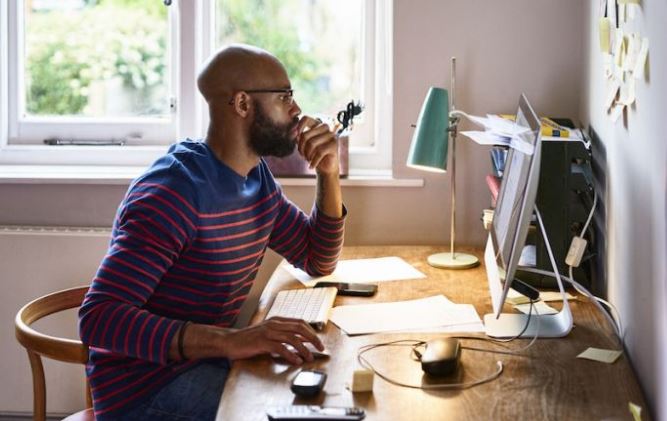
x: 270, y: 337
x: 318, y: 144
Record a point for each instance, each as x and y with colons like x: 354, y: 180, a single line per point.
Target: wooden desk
x: 548, y: 382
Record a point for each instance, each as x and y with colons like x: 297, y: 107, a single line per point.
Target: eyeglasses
x: 286, y: 98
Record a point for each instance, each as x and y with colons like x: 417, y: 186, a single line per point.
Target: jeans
x: 193, y: 395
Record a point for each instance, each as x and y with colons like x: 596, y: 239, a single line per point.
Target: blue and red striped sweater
x: 187, y: 243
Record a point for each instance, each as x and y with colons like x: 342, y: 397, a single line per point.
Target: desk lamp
x: 428, y: 152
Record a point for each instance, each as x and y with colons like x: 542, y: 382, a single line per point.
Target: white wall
x: 636, y: 152
x: 503, y: 49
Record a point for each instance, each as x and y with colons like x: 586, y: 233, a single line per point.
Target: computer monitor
x: 511, y: 221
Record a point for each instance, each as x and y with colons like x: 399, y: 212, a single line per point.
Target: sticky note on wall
x: 640, y: 63
x: 605, y: 25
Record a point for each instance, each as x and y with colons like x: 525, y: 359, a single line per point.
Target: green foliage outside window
x: 270, y: 24
x: 68, y: 50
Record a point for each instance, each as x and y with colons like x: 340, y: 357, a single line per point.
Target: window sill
x: 123, y: 175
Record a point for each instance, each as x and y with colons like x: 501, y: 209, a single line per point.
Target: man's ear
x: 242, y: 104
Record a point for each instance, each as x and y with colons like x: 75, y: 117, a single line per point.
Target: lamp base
x: 455, y: 261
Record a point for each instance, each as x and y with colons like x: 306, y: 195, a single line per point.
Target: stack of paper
x: 500, y: 131
x: 431, y: 314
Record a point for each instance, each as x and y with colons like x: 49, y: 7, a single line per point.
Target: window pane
x: 318, y: 41
x: 96, y: 58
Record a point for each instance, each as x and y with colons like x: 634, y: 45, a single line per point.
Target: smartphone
x: 315, y: 412
x: 344, y: 288
x: 308, y: 382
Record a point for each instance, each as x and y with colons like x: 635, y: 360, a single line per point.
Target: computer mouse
x: 441, y: 356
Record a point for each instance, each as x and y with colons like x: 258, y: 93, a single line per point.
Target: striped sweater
x: 186, y: 244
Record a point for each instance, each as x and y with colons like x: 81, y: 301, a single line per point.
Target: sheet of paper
x: 612, y: 90
x: 423, y: 313
x: 486, y: 138
x: 602, y: 355
x: 640, y: 64
x: 516, y: 298
x: 555, y: 296
x: 617, y: 112
x: 539, y: 307
x: 635, y: 410
x: 380, y: 269
x: 633, y: 44
x: 628, y: 96
x: 619, y: 48
x: 632, y: 11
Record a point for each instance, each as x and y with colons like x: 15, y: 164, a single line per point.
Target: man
x: 188, y: 240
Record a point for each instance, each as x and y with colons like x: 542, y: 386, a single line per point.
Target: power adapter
x: 576, y: 251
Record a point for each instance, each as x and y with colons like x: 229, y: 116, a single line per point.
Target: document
x: 602, y: 355
x: 379, y: 269
x: 539, y: 307
x: 424, y: 314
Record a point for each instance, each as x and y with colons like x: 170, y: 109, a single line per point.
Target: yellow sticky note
x: 555, y: 296
x: 640, y: 63
x: 602, y: 355
x: 629, y: 1
x: 605, y: 26
x: 636, y: 411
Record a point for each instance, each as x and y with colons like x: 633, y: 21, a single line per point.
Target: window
x: 86, y: 67
x: 125, y: 70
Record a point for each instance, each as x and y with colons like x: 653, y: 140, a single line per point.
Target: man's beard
x: 268, y: 138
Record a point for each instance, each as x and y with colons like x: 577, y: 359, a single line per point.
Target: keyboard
x: 309, y: 304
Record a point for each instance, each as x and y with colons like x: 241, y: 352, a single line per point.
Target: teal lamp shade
x: 428, y: 150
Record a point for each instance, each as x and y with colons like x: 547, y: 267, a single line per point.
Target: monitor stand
x: 546, y: 325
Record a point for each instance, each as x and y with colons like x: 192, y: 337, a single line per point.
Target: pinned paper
x: 628, y: 92
x: 605, y: 25
x: 621, y: 12
x: 619, y: 48
x: 640, y: 63
x: 632, y: 8
x: 631, y: 52
x: 612, y: 90
x: 617, y: 112
x: 608, y: 61
x: 636, y: 411
x: 608, y: 356
x: 629, y: 2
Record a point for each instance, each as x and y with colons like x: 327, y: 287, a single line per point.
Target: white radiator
x: 35, y: 261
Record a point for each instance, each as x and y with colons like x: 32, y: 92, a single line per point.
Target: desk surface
x: 547, y: 382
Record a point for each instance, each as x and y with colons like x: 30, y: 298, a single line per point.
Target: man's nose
x: 295, y: 111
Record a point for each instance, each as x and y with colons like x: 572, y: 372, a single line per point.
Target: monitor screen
x: 514, y: 205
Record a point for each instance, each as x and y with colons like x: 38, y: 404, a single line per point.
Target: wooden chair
x: 38, y: 344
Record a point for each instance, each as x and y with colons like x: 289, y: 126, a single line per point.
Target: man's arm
x: 319, y: 146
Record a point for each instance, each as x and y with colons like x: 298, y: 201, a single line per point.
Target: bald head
x: 239, y: 67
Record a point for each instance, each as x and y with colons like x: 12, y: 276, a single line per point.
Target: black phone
x: 308, y: 382
x: 344, y: 288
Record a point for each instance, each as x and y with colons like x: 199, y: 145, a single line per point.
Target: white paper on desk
x: 379, y: 269
x: 539, y: 307
x: 424, y: 313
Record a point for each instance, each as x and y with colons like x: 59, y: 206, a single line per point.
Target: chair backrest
x: 38, y: 344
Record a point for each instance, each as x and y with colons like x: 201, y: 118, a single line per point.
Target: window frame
x: 191, y: 26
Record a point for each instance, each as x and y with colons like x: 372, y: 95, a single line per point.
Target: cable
x: 409, y: 342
